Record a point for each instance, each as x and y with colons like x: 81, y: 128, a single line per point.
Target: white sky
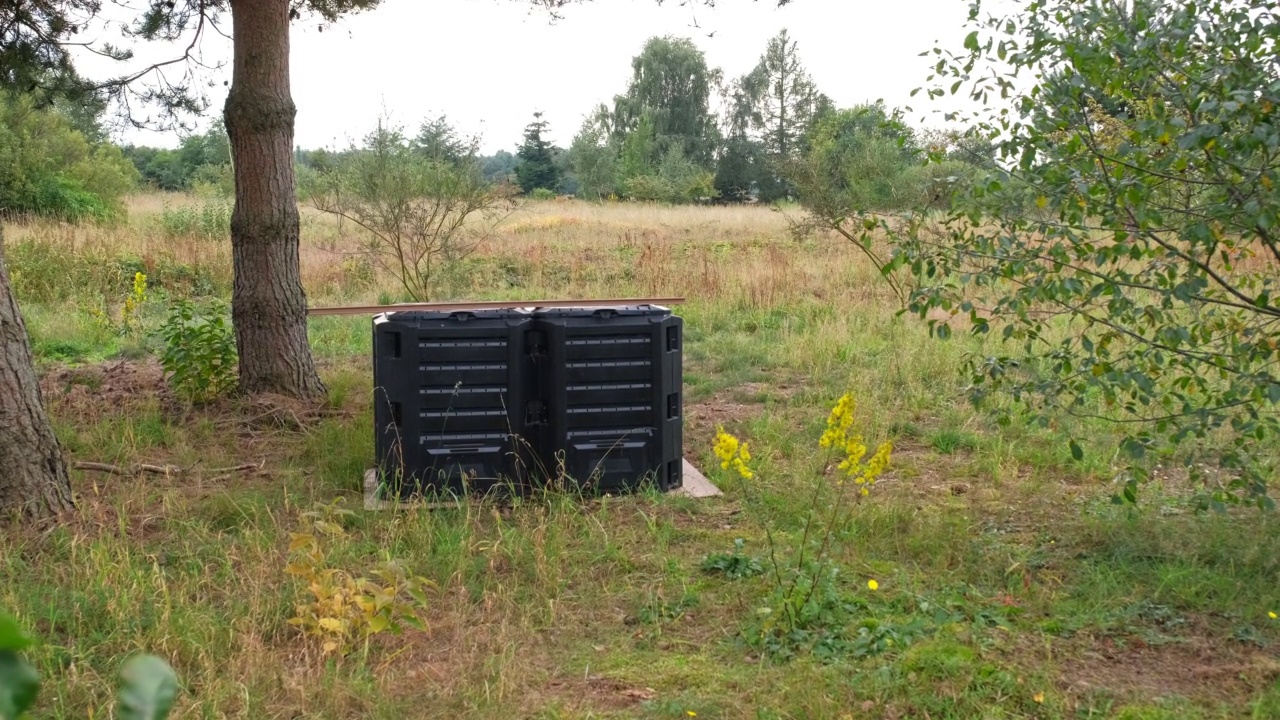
x: 488, y: 64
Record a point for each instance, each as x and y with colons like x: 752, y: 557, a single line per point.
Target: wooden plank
x: 696, y: 484
x: 490, y: 305
x: 373, y: 502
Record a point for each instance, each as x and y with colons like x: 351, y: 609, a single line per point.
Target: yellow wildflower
x: 732, y: 454
x: 853, y: 447
x: 1038, y: 697
x: 130, y: 316
x: 1272, y: 615
x: 838, y: 422
x: 873, y: 585
x: 725, y: 447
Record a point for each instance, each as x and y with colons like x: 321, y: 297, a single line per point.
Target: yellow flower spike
x: 873, y: 585
x: 732, y: 453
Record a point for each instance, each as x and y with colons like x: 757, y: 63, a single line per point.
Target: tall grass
x: 1040, y: 599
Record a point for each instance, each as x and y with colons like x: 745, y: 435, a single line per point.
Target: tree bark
x: 33, y: 474
x: 268, y: 304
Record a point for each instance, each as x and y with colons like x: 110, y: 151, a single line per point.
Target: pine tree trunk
x: 268, y: 305
x: 33, y: 474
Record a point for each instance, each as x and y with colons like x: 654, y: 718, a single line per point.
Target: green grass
x: 1009, y: 586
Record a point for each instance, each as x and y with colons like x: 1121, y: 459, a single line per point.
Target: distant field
x: 1008, y: 584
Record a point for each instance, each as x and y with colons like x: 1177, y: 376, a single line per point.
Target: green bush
x: 677, y: 180
x: 64, y: 198
x: 543, y: 194
x: 199, y: 351
x: 648, y: 188
x: 48, y: 168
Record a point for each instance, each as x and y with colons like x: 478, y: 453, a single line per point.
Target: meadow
x: 987, y: 574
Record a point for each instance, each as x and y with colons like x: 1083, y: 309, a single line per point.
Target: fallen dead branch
x: 139, y: 469
x: 165, y: 470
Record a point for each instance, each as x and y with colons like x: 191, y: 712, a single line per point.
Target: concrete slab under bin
x: 696, y: 485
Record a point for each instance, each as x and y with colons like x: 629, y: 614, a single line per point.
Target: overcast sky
x: 489, y: 64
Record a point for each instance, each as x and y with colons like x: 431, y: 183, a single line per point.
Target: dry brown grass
x: 745, y: 255
x: 560, y: 608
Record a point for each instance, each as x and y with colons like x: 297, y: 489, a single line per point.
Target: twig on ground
x: 166, y: 470
x: 138, y: 469
x: 235, y: 469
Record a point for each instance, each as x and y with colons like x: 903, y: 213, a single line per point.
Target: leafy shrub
x: 64, y: 198
x: 677, y: 181
x: 344, y: 608
x: 415, y: 217
x: 200, y: 353
x: 648, y: 188
x: 1142, y: 288
x: 49, y: 168
x: 543, y: 194
x: 214, y: 181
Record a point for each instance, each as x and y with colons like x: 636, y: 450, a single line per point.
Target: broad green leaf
x: 11, y: 635
x: 1077, y: 453
x: 19, y: 684
x: 971, y: 41
x: 149, y: 689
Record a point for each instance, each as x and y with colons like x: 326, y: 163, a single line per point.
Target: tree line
x: 680, y: 132
x: 772, y: 135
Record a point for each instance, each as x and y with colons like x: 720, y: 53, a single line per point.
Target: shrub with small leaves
x: 344, y: 608
x: 199, y: 351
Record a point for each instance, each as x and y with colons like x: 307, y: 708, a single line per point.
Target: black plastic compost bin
x: 451, y: 393
x: 612, y: 379
x: 507, y: 400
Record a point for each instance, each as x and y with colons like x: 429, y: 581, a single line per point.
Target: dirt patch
x: 701, y: 420
x: 112, y: 384
x: 598, y: 693
x: 766, y: 392
x: 729, y: 407
x: 1197, y: 669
